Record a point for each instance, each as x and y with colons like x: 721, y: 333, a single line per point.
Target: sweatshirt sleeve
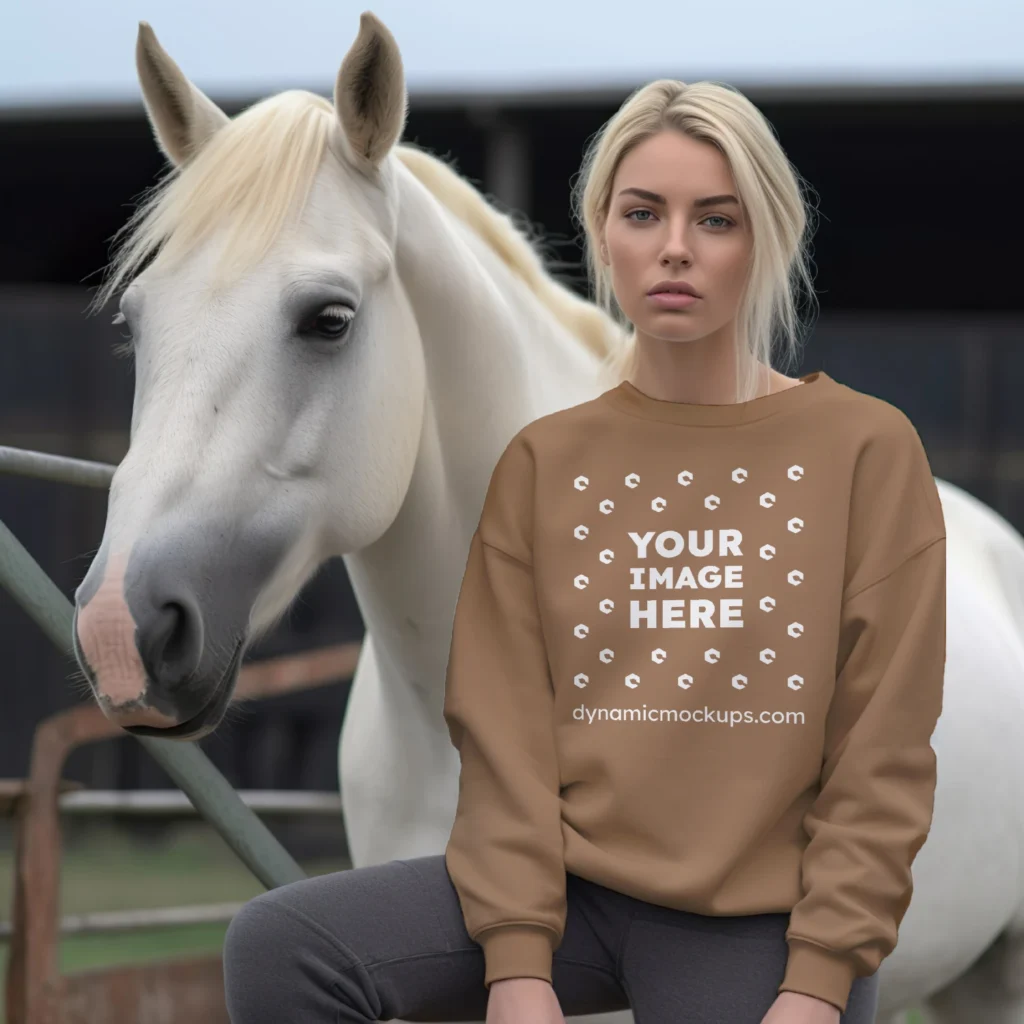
x: 504, y: 854
x: 874, y: 807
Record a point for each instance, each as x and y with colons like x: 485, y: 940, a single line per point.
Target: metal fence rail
x: 154, y: 803
x: 97, y: 921
x: 207, y: 789
x: 55, y: 467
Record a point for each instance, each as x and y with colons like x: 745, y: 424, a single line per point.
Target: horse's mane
x: 260, y: 166
x: 256, y: 169
x: 584, y: 320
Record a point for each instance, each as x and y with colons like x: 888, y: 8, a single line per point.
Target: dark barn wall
x: 918, y: 273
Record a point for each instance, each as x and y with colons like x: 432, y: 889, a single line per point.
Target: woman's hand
x: 523, y: 1001
x: 796, y: 1008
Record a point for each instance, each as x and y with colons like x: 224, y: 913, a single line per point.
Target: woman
x: 703, y: 801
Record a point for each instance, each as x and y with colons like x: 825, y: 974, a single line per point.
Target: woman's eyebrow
x: 654, y: 197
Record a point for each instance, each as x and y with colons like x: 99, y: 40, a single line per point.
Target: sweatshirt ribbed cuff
x: 818, y: 972
x: 517, y: 951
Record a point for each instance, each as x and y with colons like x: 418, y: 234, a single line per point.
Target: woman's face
x: 674, y: 216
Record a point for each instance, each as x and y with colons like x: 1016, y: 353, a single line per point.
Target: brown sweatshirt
x: 698, y: 658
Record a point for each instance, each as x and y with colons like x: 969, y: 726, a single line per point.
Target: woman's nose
x: 676, y: 248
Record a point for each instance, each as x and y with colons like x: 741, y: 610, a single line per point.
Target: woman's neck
x: 698, y: 373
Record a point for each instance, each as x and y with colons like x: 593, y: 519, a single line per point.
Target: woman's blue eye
x: 725, y: 222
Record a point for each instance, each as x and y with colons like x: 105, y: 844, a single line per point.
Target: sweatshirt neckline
x: 630, y: 399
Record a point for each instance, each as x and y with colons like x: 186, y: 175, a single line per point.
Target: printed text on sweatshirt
x: 698, y: 658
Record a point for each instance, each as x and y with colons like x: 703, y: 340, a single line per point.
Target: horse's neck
x: 496, y: 359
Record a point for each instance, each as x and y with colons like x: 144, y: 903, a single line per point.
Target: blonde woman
x: 696, y: 663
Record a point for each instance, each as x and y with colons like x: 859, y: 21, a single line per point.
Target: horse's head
x: 278, y: 367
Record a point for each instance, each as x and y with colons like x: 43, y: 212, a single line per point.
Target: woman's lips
x: 672, y: 300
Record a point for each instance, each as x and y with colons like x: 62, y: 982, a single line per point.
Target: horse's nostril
x: 176, y: 630
x: 171, y: 643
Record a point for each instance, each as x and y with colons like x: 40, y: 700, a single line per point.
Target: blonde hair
x: 768, y: 321
x: 254, y: 172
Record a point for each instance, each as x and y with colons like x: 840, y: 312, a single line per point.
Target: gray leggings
x: 388, y: 941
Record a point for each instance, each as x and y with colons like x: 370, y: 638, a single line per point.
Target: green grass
x: 105, y: 870
x: 82, y: 952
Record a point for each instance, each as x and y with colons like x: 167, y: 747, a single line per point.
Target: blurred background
x: 906, y: 118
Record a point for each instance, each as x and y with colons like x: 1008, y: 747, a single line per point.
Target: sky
x: 71, y: 52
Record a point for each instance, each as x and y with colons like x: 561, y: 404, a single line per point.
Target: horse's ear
x: 181, y: 116
x: 369, y: 94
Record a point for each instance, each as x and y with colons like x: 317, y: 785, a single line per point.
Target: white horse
x: 350, y: 393
x: 961, y: 944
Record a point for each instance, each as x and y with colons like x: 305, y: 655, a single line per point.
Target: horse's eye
x: 331, y: 322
